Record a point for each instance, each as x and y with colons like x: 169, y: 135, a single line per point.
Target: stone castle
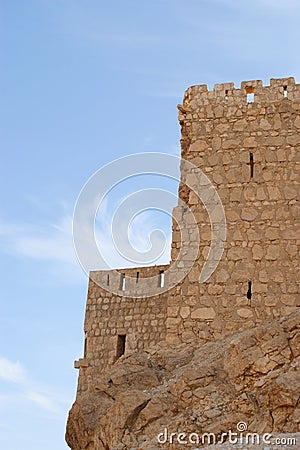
x: 245, y: 140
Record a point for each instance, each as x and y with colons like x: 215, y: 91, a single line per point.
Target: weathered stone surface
x: 203, y: 314
x: 273, y: 252
x: 245, y: 313
x: 248, y: 377
x: 237, y: 253
x: 257, y: 252
x: 290, y: 193
x: 222, y: 276
x: 249, y: 214
x: 198, y: 146
x: 185, y: 312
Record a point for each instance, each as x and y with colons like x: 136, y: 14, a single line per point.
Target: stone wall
x: 142, y: 320
x: 250, y: 151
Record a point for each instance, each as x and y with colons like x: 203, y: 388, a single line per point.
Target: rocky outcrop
x: 250, y: 377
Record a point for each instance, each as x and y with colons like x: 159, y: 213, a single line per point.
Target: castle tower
x: 245, y: 141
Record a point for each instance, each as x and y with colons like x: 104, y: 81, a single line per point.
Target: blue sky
x: 83, y: 83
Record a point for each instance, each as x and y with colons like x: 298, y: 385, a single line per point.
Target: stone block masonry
x: 140, y: 321
x: 249, y: 148
x: 247, y: 143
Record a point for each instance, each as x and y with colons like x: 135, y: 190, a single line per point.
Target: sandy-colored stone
x: 198, y: 146
x: 257, y: 252
x: 185, y: 312
x: 250, y: 377
x: 237, y: 253
x: 249, y: 214
x: 245, y: 313
x: 273, y: 252
x: 203, y: 314
x: 222, y: 276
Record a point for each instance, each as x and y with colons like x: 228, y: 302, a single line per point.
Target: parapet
x: 250, y: 92
x: 131, y: 282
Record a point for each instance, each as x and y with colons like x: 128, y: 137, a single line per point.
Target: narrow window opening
x: 85, y: 345
x: 107, y: 282
x: 122, y: 282
x: 285, y: 94
x: 137, y: 276
x: 250, y: 95
x: 249, y: 292
x: 251, y: 165
x: 161, y: 279
x: 226, y: 94
x: 121, y: 344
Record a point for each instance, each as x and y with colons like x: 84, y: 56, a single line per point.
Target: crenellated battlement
x: 250, y: 93
x: 131, y: 282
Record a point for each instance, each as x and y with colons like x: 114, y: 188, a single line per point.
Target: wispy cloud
x: 51, y: 243
x: 57, y: 245
x: 54, y: 243
x: 132, y: 234
x: 12, y: 371
x: 44, y: 242
x: 29, y: 391
x: 46, y: 403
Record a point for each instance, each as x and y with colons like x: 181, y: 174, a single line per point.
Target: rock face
x: 250, y: 377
